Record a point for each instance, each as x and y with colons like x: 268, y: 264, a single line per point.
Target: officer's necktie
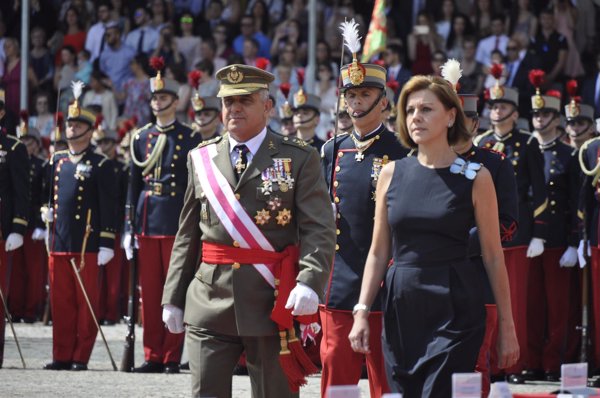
x: 242, y: 160
x: 140, y: 46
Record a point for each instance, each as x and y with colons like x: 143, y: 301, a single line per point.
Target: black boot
x: 150, y: 367
x: 58, y: 365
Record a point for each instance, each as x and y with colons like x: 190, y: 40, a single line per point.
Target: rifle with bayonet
x: 127, y: 361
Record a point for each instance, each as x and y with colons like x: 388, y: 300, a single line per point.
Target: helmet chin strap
x: 155, y: 111
x: 370, y: 108
x: 206, y: 123
x: 503, y: 118
x: 80, y: 135
x: 303, y: 122
x: 544, y: 127
x: 581, y: 132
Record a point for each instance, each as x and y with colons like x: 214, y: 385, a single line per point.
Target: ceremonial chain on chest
x: 362, y: 146
x: 154, y: 156
x: 499, y: 146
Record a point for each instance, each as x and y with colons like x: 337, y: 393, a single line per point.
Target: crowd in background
x: 107, y: 44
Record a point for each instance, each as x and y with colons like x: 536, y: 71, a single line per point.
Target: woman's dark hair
x: 207, y: 66
x: 65, y: 25
x: 328, y: 47
x: 452, y: 36
x: 178, y: 71
x: 445, y: 94
x: 265, y: 24
x: 324, y: 65
x: 142, y: 60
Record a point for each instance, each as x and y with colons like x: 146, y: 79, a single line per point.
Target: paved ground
x: 101, y: 381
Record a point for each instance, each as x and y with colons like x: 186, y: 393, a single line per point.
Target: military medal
x: 274, y: 203
x: 362, y: 146
x: 204, y: 213
x: 239, y: 164
x: 284, y: 217
x: 283, y: 171
x: 262, y: 217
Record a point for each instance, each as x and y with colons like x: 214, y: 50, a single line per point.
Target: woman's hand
x: 507, y: 346
x: 359, y: 335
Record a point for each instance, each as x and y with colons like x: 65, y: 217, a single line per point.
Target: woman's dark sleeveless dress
x: 434, y: 316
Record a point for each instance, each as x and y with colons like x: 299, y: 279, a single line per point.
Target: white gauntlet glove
x: 536, y: 247
x: 47, y: 214
x: 13, y: 242
x: 581, y: 252
x: 105, y: 255
x: 173, y: 317
x: 303, y: 300
x: 128, y: 246
x: 569, y: 258
x: 38, y: 234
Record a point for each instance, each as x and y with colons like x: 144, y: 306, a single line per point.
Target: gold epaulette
x: 136, y: 133
x: 478, y: 139
x: 211, y: 141
x: 63, y: 152
x: 339, y: 135
x: 16, y: 143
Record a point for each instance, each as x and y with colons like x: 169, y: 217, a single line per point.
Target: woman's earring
x: 450, y: 124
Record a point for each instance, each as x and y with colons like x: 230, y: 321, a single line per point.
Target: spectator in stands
x: 2, y: 39
x: 232, y: 11
x: 423, y: 41
x: 481, y: 17
x: 326, y: 88
x: 275, y: 9
x: 40, y: 59
x: 444, y: 23
x: 396, y: 69
x: 208, y: 52
x: 519, y: 61
x: 248, y: 31
x: 473, y: 74
x: 84, y: 8
x: 136, y: 91
x: 11, y: 80
x: 84, y: 67
x: 71, y: 33
x: 221, y: 37
x: 167, y: 47
x: 42, y: 119
x: 340, y: 13
x: 521, y: 19
x: 193, y: 7
x: 212, y: 20
x: 551, y: 47
x: 160, y: 14
x: 461, y: 28
x: 102, y: 98
x: 496, y: 41
x: 188, y: 43
x: 590, y: 93
x: 144, y: 38
x: 116, y: 58
x: 262, y: 22
x: 120, y: 13
x: 184, y: 94
x: 95, y: 40
x: 250, y: 51
x: 209, y: 86
x: 288, y: 33
x: 437, y: 60
x: 287, y: 67
x: 323, y: 54
x: 565, y: 17
x: 63, y: 77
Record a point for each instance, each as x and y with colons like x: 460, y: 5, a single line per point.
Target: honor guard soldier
x: 82, y: 216
x: 306, y: 116
x: 29, y: 262
x: 14, y: 207
x: 550, y: 274
x: 258, y: 220
x: 344, y: 121
x: 286, y: 115
x: 207, y: 110
x: 106, y: 141
x: 505, y: 185
x: 580, y: 118
x: 390, y: 113
x: 351, y: 165
x: 589, y: 246
x: 522, y: 150
x: 158, y: 179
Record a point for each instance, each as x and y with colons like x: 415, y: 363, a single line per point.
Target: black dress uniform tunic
x: 14, y: 186
x: 522, y: 150
x: 354, y: 185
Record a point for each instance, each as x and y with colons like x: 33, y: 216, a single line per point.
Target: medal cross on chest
x: 242, y: 159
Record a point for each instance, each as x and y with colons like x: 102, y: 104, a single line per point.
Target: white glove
x: 581, y: 254
x: 13, y: 242
x: 303, y: 300
x: 38, y: 234
x: 536, y: 247
x: 569, y: 258
x: 173, y: 317
x: 105, y: 255
x: 128, y: 246
x: 47, y: 214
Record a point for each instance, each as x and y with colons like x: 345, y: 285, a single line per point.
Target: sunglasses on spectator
x: 187, y: 20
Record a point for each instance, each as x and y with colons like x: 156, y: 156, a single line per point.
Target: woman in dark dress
x: 434, y: 314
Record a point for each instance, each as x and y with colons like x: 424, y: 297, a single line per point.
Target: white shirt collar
x: 253, y: 143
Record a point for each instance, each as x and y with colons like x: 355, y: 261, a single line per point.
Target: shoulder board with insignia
x: 588, y: 142
x: 58, y: 153
x: 296, y: 142
x: 339, y: 137
x: 528, y: 133
x: 211, y: 141
x: 481, y: 136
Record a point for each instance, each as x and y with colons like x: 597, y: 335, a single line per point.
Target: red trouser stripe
x: 343, y: 366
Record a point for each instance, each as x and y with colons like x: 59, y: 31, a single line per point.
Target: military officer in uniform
x: 550, y: 274
x: 110, y: 311
x: 506, y: 191
x: 256, y: 207
x: 306, y: 117
x: 351, y: 165
x: 14, y: 206
x: 207, y: 116
x: 580, y: 125
x: 29, y: 262
x: 390, y: 113
x: 285, y: 113
x: 522, y: 150
x: 157, y: 181
x: 344, y: 121
x: 82, y: 216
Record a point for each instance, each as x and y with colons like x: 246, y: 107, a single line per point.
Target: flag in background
x: 377, y: 35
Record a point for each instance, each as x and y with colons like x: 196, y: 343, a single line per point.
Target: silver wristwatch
x: 359, y: 307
